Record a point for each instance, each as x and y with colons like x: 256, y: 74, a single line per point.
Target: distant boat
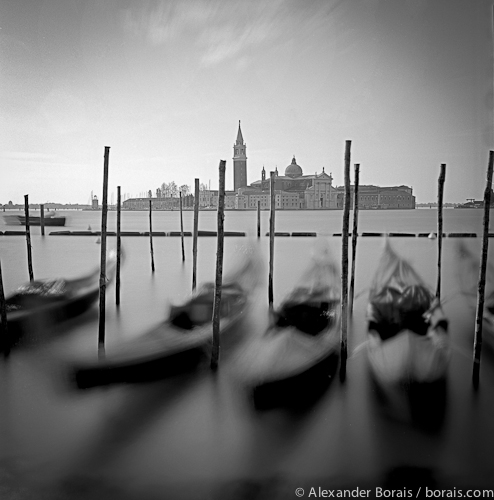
x: 50, y: 219
x: 471, y: 203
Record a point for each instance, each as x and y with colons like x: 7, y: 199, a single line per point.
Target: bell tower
x: 239, y: 161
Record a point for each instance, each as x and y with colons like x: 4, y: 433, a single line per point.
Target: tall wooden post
x: 215, y: 354
x: 344, y: 265
x: 258, y: 218
x: 194, y: 238
x: 440, y: 192
x: 28, y: 239
x: 4, y: 331
x: 117, y: 277
x: 477, y: 345
x: 151, y: 233
x: 272, y: 213
x: 182, y: 228
x: 42, y: 219
x: 102, y: 276
x: 354, y: 235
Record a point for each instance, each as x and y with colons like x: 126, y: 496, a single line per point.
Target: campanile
x: 239, y: 161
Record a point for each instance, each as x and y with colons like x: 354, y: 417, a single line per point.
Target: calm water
x: 199, y: 436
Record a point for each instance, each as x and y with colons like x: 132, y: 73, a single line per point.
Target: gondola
x: 291, y: 363
x: 407, y: 345
x: 43, y: 303
x: 50, y: 219
x: 180, y: 342
x: 468, y: 276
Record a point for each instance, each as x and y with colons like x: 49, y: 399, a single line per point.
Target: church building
x: 293, y: 190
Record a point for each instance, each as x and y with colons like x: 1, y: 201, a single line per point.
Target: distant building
x: 239, y: 161
x: 379, y: 198
x: 293, y: 191
x: 208, y: 198
x: 94, y: 203
x: 170, y: 203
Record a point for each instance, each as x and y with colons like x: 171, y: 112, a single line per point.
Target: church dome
x: 293, y: 170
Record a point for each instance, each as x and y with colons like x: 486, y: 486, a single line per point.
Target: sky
x: 164, y: 84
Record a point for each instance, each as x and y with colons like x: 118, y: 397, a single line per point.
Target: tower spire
x: 240, y: 139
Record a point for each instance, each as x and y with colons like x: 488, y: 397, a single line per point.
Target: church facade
x: 296, y: 191
x: 293, y: 190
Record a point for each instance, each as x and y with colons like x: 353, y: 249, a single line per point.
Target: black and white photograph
x: 246, y: 249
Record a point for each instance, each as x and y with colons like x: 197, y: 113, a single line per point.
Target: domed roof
x: 293, y: 170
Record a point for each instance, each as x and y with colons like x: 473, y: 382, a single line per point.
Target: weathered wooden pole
x: 117, y: 277
x: 102, y: 276
x: 354, y: 235
x: 151, y: 233
x: 4, y: 331
x: 271, y: 237
x: 42, y: 219
x: 344, y: 265
x: 182, y: 228
x: 194, y: 238
x: 215, y: 354
x: 440, y: 193
x: 28, y: 238
x: 258, y: 218
x: 477, y: 344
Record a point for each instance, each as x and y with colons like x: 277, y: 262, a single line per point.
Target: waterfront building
x: 379, y: 198
x: 208, y: 198
x: 168, y: 203
x: 293, y: 190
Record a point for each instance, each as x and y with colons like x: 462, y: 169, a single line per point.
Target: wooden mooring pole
x: 271, y: 238
x: 194, y: 237
x: 354, y: 235
x: 119, y: 247
x: 258, y: 218
x: 42, y: 219
x: 344, y: 265
x: 440, y: 193
x: 182, y: 228
x: 215, y: 354
x: 102, y: 276
x: 4, y: 331
x: 151, y: 234
x: 28, y: 238
x: 477, y: 344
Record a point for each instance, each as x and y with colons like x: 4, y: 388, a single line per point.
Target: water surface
x: 199, y: 435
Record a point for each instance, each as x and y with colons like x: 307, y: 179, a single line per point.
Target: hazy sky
x: 165, y: 82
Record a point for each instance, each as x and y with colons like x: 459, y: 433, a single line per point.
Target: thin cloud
x: 165, y: 21
x: 53, y: 160
x: 24, y: 156
x: 223, y: 31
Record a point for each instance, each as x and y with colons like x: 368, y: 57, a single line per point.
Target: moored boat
x: 49, y: 219
x: 408, y: 344
x: 292, y: 361
x: 178, y: 343
x: 468, y: 277
x: 42, y: 303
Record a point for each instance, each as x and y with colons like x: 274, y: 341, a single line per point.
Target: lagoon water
x: 198, y: 436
